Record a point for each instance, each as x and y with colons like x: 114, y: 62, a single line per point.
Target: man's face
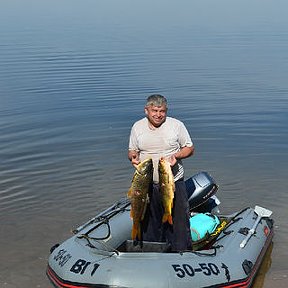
x: 156, y: 114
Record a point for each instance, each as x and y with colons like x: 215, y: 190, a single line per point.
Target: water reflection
x: 264, y: 268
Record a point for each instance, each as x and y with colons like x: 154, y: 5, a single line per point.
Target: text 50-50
x: 184, y: 270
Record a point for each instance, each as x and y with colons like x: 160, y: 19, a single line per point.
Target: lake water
x: 74, y: 76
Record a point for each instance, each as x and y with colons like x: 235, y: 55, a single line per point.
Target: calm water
x: 74, y: 76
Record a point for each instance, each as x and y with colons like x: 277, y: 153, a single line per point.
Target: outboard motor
x: 201, y: 189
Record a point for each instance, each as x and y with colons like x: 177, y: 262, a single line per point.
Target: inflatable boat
x: 101, y: 253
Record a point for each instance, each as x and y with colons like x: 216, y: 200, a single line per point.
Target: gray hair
x: 156, y: 100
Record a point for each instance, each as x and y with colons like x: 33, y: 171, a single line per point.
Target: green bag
x: 203, y: 224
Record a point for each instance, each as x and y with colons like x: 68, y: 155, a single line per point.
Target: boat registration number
x: 79, y: 267
x: 208, y: 269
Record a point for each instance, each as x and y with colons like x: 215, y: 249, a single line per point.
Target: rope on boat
x: 108, y: 248
x: 99, y: 240
x: 119, y: 206
x: 213, y: 254
x: 104, y: 221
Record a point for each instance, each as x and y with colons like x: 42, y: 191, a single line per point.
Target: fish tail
x: 136, y: 232
x: 170, y: 220
x: 167, y: 217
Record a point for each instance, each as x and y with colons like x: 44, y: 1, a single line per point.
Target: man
x: 156, y: 136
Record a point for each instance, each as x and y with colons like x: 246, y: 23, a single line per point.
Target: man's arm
x: 183, y: 153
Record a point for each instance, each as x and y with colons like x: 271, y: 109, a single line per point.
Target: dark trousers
x: 177, y: 235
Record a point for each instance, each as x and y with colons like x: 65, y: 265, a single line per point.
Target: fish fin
x: 134, y: 232
x: 139, y: 233
x: 130, y: 193
x: 145, y: 207
x: 137, y: 169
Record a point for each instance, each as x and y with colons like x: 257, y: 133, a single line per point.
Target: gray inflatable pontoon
x: 100, y: 254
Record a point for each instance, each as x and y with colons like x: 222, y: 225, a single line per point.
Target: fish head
x: 145, y: 166
x: 163, y: 165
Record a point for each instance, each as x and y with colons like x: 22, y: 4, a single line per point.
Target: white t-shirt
x: 163, y: 141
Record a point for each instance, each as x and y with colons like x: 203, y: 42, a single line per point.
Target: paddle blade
x: 262, y: 212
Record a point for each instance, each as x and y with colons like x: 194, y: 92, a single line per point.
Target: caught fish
x: 167, y: 189
x: 138, y: 195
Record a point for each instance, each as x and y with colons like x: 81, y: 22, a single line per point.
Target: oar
x: 261, y: 212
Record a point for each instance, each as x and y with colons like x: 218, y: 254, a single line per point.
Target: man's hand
x: 135, y: 160
x: 133, y: 156
x: 182, y: 154
x: 172, y: 160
